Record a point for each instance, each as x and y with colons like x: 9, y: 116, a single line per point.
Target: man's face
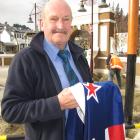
x: 57, y: 25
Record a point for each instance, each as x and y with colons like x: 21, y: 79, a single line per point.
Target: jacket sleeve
x: 18, y: 103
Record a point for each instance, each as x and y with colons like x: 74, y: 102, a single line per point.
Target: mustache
x: 60, y: 31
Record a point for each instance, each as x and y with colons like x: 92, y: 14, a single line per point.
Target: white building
x: 12, y: 39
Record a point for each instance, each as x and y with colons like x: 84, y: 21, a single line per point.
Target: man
x: 115, y: 66
x: 36, y: 92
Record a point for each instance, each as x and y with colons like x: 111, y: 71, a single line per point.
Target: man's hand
x: 66, y: 99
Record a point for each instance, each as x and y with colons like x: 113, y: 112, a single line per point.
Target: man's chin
x: 60, y: 40
x: 60, y: 44
x: 59, y: 35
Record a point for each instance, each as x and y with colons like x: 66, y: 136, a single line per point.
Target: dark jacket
x: 31, y: 90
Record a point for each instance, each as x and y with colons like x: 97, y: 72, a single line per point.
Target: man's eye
x: 53, y: 19
x: 66, y: 19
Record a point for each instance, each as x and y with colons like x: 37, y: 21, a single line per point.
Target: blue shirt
x: 52, y: 52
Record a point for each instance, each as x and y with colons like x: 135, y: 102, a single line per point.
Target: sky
x: 17, y: 11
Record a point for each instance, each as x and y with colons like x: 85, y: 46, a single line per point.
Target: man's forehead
x: 58, y: 7
x: 58, y: 14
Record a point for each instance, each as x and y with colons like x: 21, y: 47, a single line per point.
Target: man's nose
x: 60, y: 24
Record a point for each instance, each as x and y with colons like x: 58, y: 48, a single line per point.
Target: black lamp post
x: 103, y: 4
x: 82, y: 9
x: 30, y: 19
x: 35, y: 14
x: 91, y: 58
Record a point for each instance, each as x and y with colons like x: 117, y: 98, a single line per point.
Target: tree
x: 121, y: 20
x: 21, y: 27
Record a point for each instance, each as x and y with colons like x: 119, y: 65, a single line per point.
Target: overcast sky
x: 17, y: 11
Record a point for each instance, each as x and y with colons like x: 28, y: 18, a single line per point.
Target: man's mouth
x: 59, y: 31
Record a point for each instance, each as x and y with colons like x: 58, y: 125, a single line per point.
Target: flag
x: 100, y: 112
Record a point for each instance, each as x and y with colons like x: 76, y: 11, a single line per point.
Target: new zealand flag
x: 100, y: 113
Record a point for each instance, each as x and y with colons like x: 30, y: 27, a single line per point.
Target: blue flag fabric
x: 100, y: 115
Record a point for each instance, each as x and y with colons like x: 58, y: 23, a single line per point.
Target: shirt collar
x: 52, y: 50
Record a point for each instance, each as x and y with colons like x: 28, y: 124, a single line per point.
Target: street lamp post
x: 82, y: 9
x: 35, y: 17
x: 91, y: 57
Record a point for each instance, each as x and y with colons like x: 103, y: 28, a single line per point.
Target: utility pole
x: 131, y: 59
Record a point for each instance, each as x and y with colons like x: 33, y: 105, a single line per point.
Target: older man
x: 36, y: 92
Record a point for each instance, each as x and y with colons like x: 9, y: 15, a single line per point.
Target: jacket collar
x: 37, y: 44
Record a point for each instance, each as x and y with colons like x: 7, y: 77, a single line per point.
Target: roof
x: 11, y: 29
x: 10, y: 44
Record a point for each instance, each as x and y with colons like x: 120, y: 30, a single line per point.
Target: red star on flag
x: 92, y: 89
